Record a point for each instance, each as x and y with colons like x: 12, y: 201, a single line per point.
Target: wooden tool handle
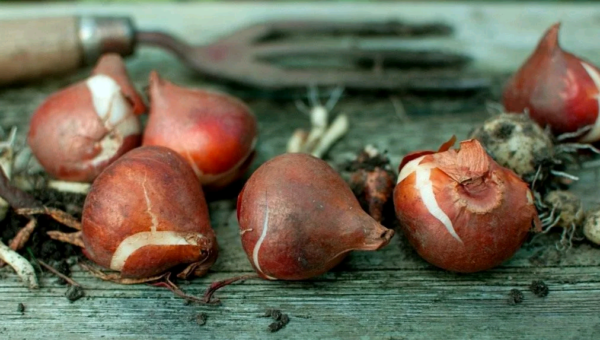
x: 32, y: 48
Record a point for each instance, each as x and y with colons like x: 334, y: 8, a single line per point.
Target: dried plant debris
x: 323, y: 134
x: 515, y: 296
x: 27, y: 215
x: 539, y: 288
x: 372, y: 180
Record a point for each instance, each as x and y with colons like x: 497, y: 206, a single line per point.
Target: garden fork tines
x: 256, y: 56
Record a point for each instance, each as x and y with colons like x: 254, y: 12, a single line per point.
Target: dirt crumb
x: 539, y: 288
x: 74, y: 293
x: 280, y: 319
x: 201, y: 319
x: 515, y: 297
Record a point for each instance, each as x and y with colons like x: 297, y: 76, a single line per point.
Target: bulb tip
x: 550, y: 39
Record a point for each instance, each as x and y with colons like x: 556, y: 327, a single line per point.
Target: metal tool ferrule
x: 100, y: 35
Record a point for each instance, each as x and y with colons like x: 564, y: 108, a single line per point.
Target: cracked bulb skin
x: 557, y: 89
x: 79, y: 130
x: 216, y: 133
x: 298, y: 219
x: 146, y: 214
x: 460, y: 210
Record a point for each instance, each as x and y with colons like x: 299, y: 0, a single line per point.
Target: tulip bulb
x: 557, y: 89
x: 80, y: 130
x: 298, y: 219
x: 462, y: 211
x: 214, y: 132
x: 146, y: 214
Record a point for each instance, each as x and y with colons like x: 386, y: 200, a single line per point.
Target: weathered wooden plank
x: 398, y: 304
x: 389, y: 294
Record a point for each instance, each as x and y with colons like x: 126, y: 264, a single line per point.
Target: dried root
x: 116, y: 277
x: 563, y: 210
x: 322, y: 135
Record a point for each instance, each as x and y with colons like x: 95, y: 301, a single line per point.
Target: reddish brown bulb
x: 81, y: 129
x: 460, y: 210
x: 557, y: 89
x: 214, y: 132
x: 146, y: 214
x: 298, y: 219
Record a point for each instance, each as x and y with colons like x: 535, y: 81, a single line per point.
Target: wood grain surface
x: 389, y: 294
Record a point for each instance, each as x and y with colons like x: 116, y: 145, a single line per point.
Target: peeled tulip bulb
x: 80, y: 130
x: 462, y: 211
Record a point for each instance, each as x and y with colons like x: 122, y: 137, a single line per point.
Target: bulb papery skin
x: 557, y: 89
x: 78, y: 131
x: 298, y: 219
x: 146, y: 214
x: 216, y: 133
x: 461, y: 211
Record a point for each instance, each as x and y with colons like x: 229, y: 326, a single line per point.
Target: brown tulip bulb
x: 216, y: 133
x: 146, y: 214
x: 298, y: 219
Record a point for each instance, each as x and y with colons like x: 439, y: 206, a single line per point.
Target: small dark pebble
x: 283, y: 320
x: 515, y: 296
x: 276, y: 315
x: 539, y: 288
x: 21, y: 308
x: 201, y: 319
x: 74, y: 293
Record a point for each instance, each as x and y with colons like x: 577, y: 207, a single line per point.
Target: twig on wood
x: 208, y: 294
x: 59, y: 274
x: 167, y: 283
